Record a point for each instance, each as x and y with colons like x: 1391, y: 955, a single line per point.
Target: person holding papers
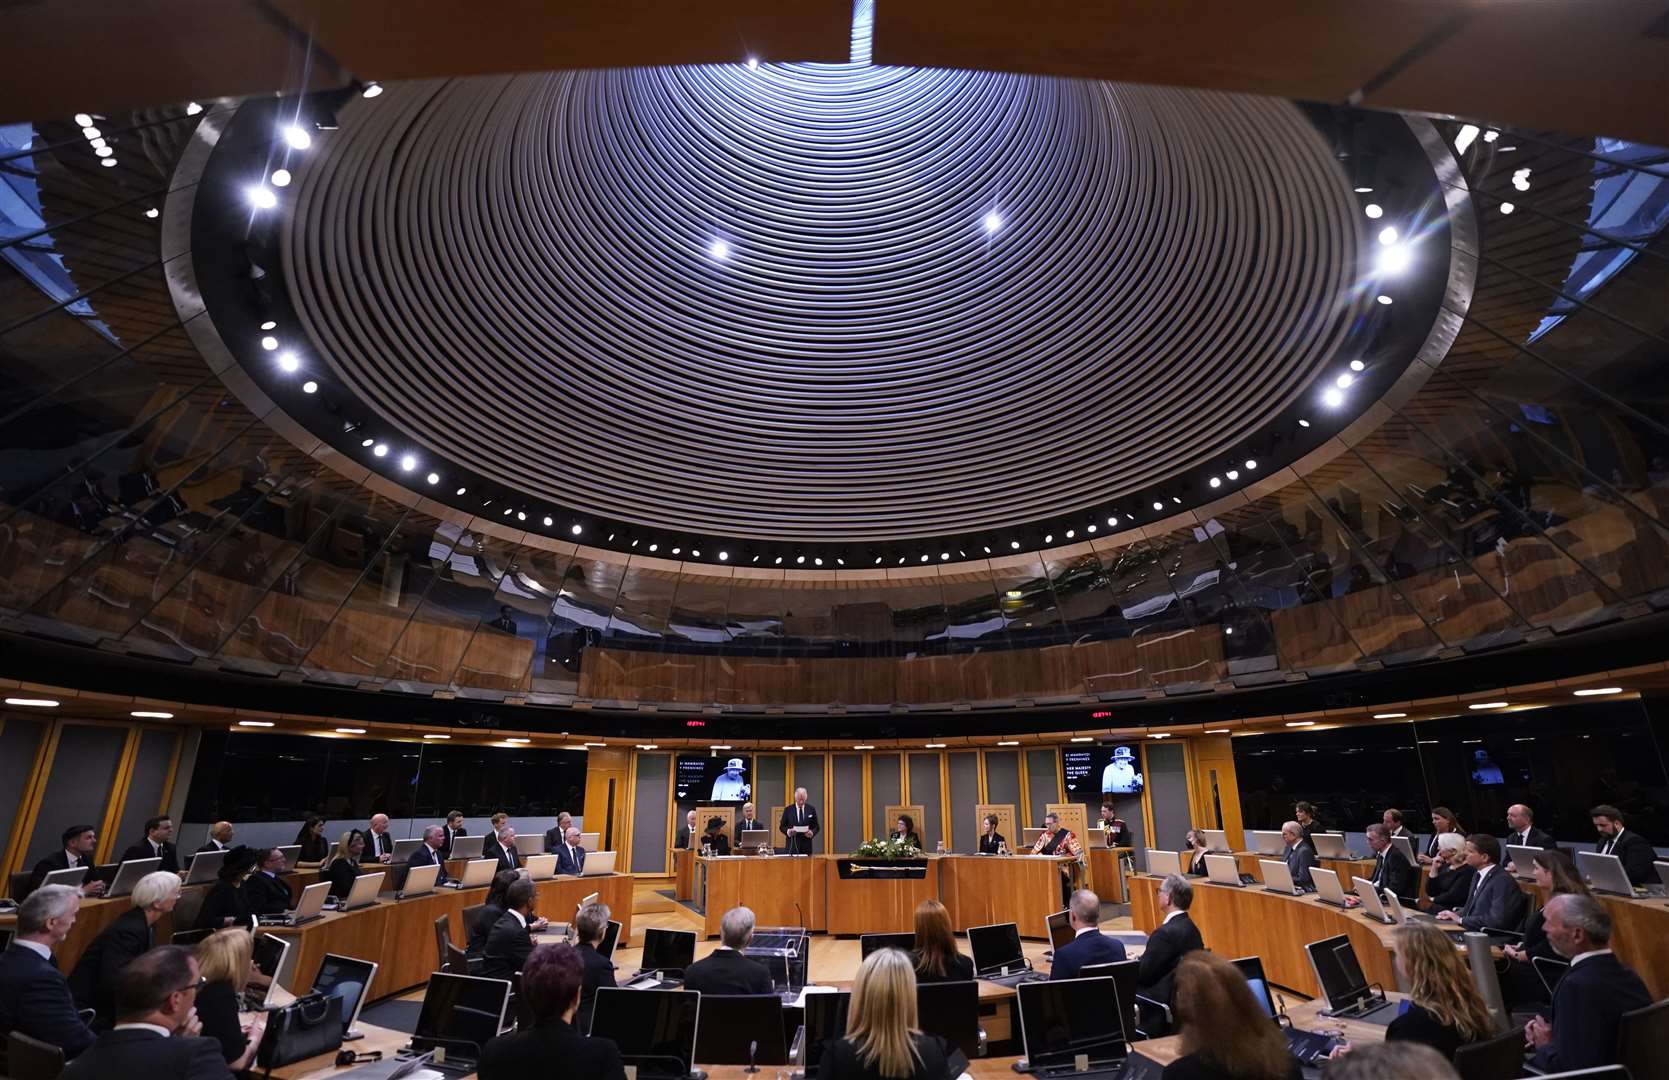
x: 799, y: 823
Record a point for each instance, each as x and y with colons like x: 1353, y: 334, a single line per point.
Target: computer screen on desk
x: 266, y: 967
x: 1060, y: 1020
x: 1060, y: 929
x: 825, y: 1019
x: 611, y: 938
x: 348, y: 979
x: 461, y: 1013
x: 995, y: 946
x: 1252, y: 968
x: 654, y: 1029
x: 668, y: 950
x: 868, y: 943
x: 1337, y: 972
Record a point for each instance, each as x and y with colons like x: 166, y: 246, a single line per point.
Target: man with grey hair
x: 503, y: 848
x: 591, y: 927
x: 428, y: 853
x: 34, y: 998
x: 1299, y: 855
x: 1589, y: 1002
x: 131, y: 934
x: 726, y: 970
x: 570, y: 857
x: 799, y: 824
x: 1391, y: 869
x: 1175, y: 937
x: 1090, y: 946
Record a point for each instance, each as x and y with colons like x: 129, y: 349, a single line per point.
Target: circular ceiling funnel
x: 823, y: 303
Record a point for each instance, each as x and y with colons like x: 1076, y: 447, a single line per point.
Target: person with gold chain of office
x: 1057, y: 839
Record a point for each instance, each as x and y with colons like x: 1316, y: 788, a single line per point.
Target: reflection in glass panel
x: 516, y: 638
x: 482, y: 781
x: 1027, y: 601
x: 1278, y: 571
x: 1351, y: 774
x: 755, y: 610
x: 974, y: 616
x: 698, y: 611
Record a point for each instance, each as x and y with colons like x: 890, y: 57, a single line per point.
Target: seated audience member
x: 1391, y: 870
x: 35, y: 999
x: 1495, y: 901
x: 725, y: 970
x: 1634, y: 850
x: 492, y: 909
x: 1556, y: 875
x: 936, y: 957
x: 1224, y: 1032
x: 501, y: 846
x: 156, y: 1032
x: 344, y: 863
x: 590, y: 927
x: 315, y: 849
x: 76, y: 852
x: 1390, y: 1061
x: 1443, y: 821
x: 570, y: 854
x: 1299, y: 854
x: 156, y: 844
x: 453, y: 829
x: 557, y: 834
x: 1304, y: 814
x: 1193, y: 860
x: 883, y: 1040
x: 224, y: 960
x: 131, y: 934
x: 220, y: 838
x: 1589, y: 1002
x: 1451, y: 875
x: 714, y: 839
x: 497, y: 822
x: 905, y: 829
x: 1392, y: 820
x: 1176, y: 937
x: 379, y: 846
x: 1522, y: 831
x: 990, y: 840
x: 509, y: 942
x: 553, y: 1048
x: 226, y: 904
x: 428, y: 852
x: 1089, y: 946
x: 265, y: 892
x: 1444, y: 1009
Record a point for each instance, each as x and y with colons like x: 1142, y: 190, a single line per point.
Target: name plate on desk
x: 890, y: 869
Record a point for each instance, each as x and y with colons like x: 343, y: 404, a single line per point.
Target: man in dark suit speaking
x: 726, y: 970
x: 1090, y: 946
x: 799, y: 823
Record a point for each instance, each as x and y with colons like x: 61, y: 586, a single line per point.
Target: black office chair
x: 1642, y: 1037
x: 473, y: 914
x: 951, y: 1011
x: 731, y: 1023
x: 29, y: 1058
x: 1498, y: 1058
x: 459, y: 962
x: 1123, y: 973
x: 443, y: 941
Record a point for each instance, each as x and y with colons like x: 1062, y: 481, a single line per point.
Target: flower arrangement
x: 886, y: 849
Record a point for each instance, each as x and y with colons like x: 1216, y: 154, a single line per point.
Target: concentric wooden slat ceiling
x: 516, y: 272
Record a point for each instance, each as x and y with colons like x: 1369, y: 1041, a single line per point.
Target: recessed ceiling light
x: 1251, y: 464
x: 1014, y: 544
x: 793, y: 748
x: 719, y: 249
x: 945, y: 555
x: 818, y: 561
x: 83, y: 120
x: 1217, y: 731
x: 1215, y: 481
x: 1364, y: 190
x: 372, y: 90
x: 1112, y: 522
x: 460, y: 491
x: 924, y: 558
x: 1373, y: 210
x: 261, y: 197
x: 153, y: 212
x: 311, y: 387
x: 1008, y: 742
x: 1300, y: 723
x: 576, y: 528
x: 1159, y: 506
x: 367, y: 442
x: 280, y: 178
x: 1233, y: 474
x: 724, y: 556
x: 350, y: 731
x: 934, y: 745
x: 288, y: 362
x: 993, y: 222
x: 1083, y: 738
x: 1507, y: 208
x: 589, y: 745
x: 1389, y: 715
x: 437, y: 736
x: 1049, y: 538
x: 1332, y: 398
x: 269, y: 325
x: 432, y: 478
x: 517, y: 739
x: 1386, y: 300
x: 1598, y: 691
x: 521, y: 515
x: 1489, y: 705
x: 1357, y: 365
x: 1303, y: 423
x: 380, y: 450
x: 297, y: 136
x: 193, y: 109
x: 149, y: 714
x: 1158, y: 734
x: 1394, y: 260
x: 864, y: 746
x: 254, y: 723
x: 407, y: 462
x: 1344, y: 380
x: 32, y: 702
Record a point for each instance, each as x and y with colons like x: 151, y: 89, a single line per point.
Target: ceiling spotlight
x: 1464, y: 137
x: 1251, y: 464
x: 310, y: 387
x: 677, y: 551
x: 1233, y: 474
x: 944, y: 555
x: 753, y: 63
x: 1070, y: 533
x: 460, y: 491
x: 801, y: 559
x: 1332, y: 398
x: 350, y: 731
x: 1521, y: 180
x: 1363, y: 190
x: 381, y: 450
x: 32, y: 702
x: 371, y: 90
x: 269, y: 325
x: 288, y: 362
x: 1388, y: 235
x: 1176, y: 500
x: 993, y: 222
x: 83, y: 120
x: 1491, y: 136
x: 1112, y: 522
x: 1049, y: 538
x: 261, y: 197
x: 819, y: 562
x: 547, y: 521
x: 1087, y: 528
x: 432, y: 478
x: 368, y: 442
x: 103, y: 151
x: 521, y: 515
x: 656, y: 547
x: 1300, y: 723
x: 1159, y: 506
x: 280, y: 178
x: 719, y: 249
x: 193, y: 109
x: 1215, y: 482
x: 269, y: 343
x: 109, y: 163
x: 1014, y: 544
x: 1394, y: 260
x: 297, y: 137
x: 1357, y: 365
x: 506, y: 509
x: 147, y: 714
x: 1303, y: 423
x: 724, y: 556
x: 1507, y: 208
x: 407, y: 463
x: 93, y: 140
x: 576, y: 528
x: 254, y: 723
x: 1344, y: 380
x: 924, y: 558
x: 153, y: 213
x: 1373, y: 210
x: 1598, y: 691
x: 1383, y: 299
x: 779, y: 560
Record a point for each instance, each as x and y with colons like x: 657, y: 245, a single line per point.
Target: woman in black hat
x: 226, y: 905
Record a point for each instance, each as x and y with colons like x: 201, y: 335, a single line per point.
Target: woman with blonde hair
x: 343, y: 866
x: 1444, y: 1009
x: 1225, y: 1032
x: 936, y: 957
x: 882, y: 1041
x: 224, y: 960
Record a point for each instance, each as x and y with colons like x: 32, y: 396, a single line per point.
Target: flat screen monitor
x: 611, y: 938
x: 868, y: 943
x: 654, y: 1029
x: 1337, y: 971
x: 1252, y: 968
x: 5, y: 938
x: 1062, y: 1019
x: 825, y: 1019
x: 668, y: 950
x: 1102, y: 770
x: 346, y: 978
x: 995, y: 946
x: 1060, y: 930
x: 461, y: 1013
x: 268, y: 961
x: 717, y: 778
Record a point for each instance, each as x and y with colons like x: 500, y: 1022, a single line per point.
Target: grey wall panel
x: 1002, y: 781
x: 150, y: 776
x: 808, y: 774
x: 964, y: 796
x: 1167, y: 784
x: 770, y: 783
x: 78, y: 789
x: 1043, y: 784
x: 848, y: 802
x: 886, y: 788
x: 19, y: 739
x: 650, y: 841
x: 924, y: 791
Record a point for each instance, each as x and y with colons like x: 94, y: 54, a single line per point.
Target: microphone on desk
x: 1281, y: 1016
x: 753, y: 1049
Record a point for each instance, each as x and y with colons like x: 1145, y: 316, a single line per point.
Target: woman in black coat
x: 226, y: 904
x: 990, y: 840
x: 905, y: 829
x: 225, y: 960
x: 311, y: 839
x: 344, y: 863
x: 492, y: 909
x: 714, y: 837
x: 879, y: 1044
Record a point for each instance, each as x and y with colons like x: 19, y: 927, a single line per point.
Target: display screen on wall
x: 1102, y: 770
x: 720, y: 778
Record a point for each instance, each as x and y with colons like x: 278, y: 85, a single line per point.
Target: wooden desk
x: 982, y: 889
x: 376, y: 1038
x: 90, y: 920
x: 1104, y: 874
x: 782, y: 890
x: 875, y: 906
x: 1253, y: 921
x: 1305, y: 1015
x: 1247, y: 863
x: 683, y: 874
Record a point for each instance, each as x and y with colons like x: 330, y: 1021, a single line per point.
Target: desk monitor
x: 266, y: 965
x: 128, y: 875
x: 1394, y: 908
x: 1160, y: 863
x: 312, y: 902
x: 461, y: 1013
x: 292, y: 855
x: 72, y: 877
x: 654, y: 1029
x: 825, y: 1019
x: 403, y: 848
x: 1406, y: 846
x: 1605, y: 873
x: 1662, y: 869
x: 540, y: 867
x: 1372, y: 905
x: 205, y: 866
x: 478, y: 873
x: 1252, y: 968
x: 752, y: 838
x: 668, y: 950
x: 868, y: 943
x: 1059, y: 929
x: 531, y: 844
x: 349, y: 979
x: 364, y: 891
x: 1327, y: 887
x: 591, y: 841
x: 611, y: 938
x: 6, y: 934
x: 1216, y: 840
x: 466, y: 847
x: 1276, y: 877
x: 1223, y: 870
x: 950, y: 1010
x: 1060, y: 1020
x: 1523, y: 860
x: 420, y: 881
x: 741, y: 1029
x: 1329, y: 845
x: 1268, y: 841
x: 995, y: 947
x: 598, y: 864
x: 1337, y: 972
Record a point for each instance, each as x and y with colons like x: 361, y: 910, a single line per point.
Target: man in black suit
x: 799, y: 824
x: 558, y: 833
x: 503, y: 848
x: 428, y: 852
x: 1633, y: 849
x: 1495, y: 902
x: 687, y: 832
x: 508, y: 942
x: 1589, y: 1002
x: 265, y: 891
x: 726, y: 970
x: 750, y: 821
x: 157, y: 844
x: 570, y: 857
x: 551, y: 985
x: 34, y: 998
x: 1392, y: 820
x: 1090, y: 946
x: 1522, y: 831
x: 379, y: 846
x: 1299, y: 854
x: 1176, y: 937
x: 454, y: 829
x: 77, y: 851
x: 157, y: 1031
x: 220, y: 837
x: 591, y: 926
x: 130, y: 934
x: 1391, y: 869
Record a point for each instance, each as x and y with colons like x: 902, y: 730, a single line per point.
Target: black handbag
x: 307, y: 1027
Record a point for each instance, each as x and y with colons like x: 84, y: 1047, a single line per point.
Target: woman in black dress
x: 936, y: 958
x: 990, y: 840
x: 226, y: 905
x: 224, y: 960
x: 1194, y: 857
x: 714, y: 838
x: 905, y: 829
x: 344, y: 863
x: 314, y: 847
x: 883, y: 1038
